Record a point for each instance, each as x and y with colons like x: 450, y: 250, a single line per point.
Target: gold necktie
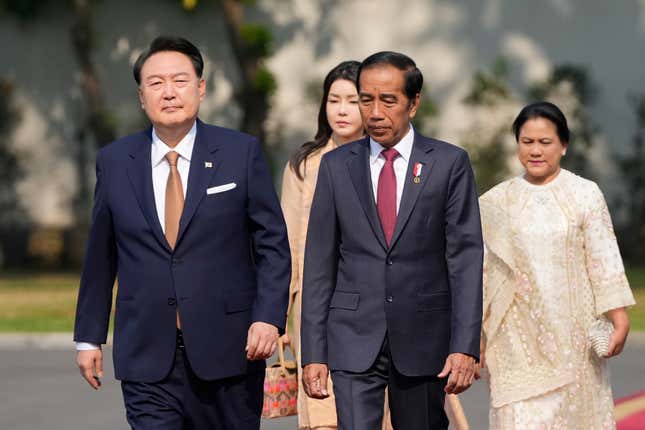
x: 174, y: 200
x: 174, y: 205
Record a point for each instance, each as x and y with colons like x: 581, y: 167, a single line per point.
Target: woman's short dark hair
x: 412, y: 75
x: 170, y: 43
x: 347, y: 70
x: 545, y: 110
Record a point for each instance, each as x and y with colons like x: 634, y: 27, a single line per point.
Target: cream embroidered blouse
x: 551, y: 267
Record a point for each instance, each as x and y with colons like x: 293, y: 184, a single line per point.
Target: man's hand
x: 314, y: 379
x: 461, y: 368
x: 261, y: 341
x: 90, y: 363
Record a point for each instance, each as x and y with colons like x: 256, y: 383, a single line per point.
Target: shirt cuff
x: 86, y: 346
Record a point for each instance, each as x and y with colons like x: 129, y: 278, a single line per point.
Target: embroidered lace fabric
x: 551, y: 266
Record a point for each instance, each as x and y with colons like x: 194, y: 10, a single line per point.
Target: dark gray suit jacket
x: 424, y: 291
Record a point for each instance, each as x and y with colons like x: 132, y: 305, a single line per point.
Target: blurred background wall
x: 66, y: 88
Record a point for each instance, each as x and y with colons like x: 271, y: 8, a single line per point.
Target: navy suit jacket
x: 230, y: 266
x: 424, y: 290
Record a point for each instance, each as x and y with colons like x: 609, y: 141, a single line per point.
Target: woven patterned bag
x: 280, y: 387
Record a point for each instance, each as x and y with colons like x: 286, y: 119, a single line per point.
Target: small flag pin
x: 416, y: 172
x: 208, y: 164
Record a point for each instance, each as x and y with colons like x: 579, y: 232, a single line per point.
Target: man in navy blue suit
x: 187, y: 219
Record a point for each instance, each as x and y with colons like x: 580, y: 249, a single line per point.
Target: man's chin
x: 174, y: 121
x: 383, y: 139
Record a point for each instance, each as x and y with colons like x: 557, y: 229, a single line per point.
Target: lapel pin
x: 416, y: 172
x: 208, y: 164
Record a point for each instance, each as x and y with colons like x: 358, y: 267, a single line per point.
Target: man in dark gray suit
x: 392, y: 293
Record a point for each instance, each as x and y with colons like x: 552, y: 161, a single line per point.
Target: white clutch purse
x: 599, y: 334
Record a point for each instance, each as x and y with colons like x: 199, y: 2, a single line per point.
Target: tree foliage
x: 491, y: 106
x: 427, y: 114
x: 252, y: 45
x: 24, y: 10
x: 488, y: 88
x: 97, y: 127
x: 11, y: 211
x: 631, y: 234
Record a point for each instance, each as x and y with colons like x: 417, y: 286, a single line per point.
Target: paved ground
x: 41, y: 389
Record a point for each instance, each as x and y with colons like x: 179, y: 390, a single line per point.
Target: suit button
x: 171, y: 301
x: 390, y: 262
x: 176, y: 261
x: 389, y: 299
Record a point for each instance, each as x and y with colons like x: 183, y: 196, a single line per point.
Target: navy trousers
x: 416, y: 403
x: 182, y: 401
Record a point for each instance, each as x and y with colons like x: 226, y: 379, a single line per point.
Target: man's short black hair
x: 170, y: 43
x: 412, y: 75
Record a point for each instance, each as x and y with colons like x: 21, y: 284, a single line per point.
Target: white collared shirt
x: 377, y: 161
x: 161, y: 168
x: 160, y: 171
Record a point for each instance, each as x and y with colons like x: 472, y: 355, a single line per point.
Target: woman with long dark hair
x: 339, y: 122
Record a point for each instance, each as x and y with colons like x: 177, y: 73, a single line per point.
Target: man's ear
x: 140, y: 94
x: 202, y: 89
x: 414, y: 105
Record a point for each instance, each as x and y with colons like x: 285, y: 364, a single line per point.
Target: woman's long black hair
x: 347, y: 70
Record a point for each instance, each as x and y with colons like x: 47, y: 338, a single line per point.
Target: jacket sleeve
x: 270, y: 243
x: 292, y: 207
x: 320, y: 268
x: 604, y: 263
x: 464, y: 258
x: 99, y: 269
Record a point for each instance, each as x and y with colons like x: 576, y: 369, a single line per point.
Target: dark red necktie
x: 386, y: 194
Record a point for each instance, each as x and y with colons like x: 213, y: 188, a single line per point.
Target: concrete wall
x: 450, y: 40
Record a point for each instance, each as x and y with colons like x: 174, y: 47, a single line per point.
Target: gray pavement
x: 40, y: 388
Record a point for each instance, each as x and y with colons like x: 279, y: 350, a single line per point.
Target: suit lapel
x: 140, y: 176
x: 421, y: 153
x: 198, y: 178
x: 359, y: 171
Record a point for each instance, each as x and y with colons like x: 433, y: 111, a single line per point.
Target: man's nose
x: 376, y: 112
x: 168, y: 90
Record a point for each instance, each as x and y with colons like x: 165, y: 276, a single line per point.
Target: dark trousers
x: 416, y: 403
x: 182, y: 401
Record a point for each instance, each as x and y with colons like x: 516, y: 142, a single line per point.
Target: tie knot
x: 172, y: 157
x: 390, y: 154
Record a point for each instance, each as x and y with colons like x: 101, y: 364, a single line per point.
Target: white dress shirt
x: 161, y: 168
x: 377, y: 161
x: 160, y: 171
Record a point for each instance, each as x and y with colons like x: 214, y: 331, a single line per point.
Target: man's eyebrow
x: 174, y: 75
